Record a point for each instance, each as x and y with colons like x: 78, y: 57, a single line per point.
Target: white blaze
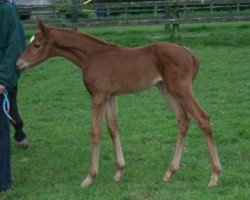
x: 32, y: 38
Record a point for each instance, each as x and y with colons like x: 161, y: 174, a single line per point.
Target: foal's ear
x: 44, y: 29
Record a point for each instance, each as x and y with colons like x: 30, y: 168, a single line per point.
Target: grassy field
x: 56, y: 110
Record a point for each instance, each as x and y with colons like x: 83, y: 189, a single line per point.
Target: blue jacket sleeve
x: 9, y: 75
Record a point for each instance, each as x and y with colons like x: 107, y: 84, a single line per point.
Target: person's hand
x: 2, y: 88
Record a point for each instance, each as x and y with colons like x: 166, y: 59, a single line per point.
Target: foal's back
x: 125, y: 70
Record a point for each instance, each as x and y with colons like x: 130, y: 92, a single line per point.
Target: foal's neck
x: 78, y: 47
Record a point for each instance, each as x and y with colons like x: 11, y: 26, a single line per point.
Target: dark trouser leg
x: 5, y: 171
x: 19, y: 133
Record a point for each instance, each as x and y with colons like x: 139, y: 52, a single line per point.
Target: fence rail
x: 153, y: 6
x: 137, y: 13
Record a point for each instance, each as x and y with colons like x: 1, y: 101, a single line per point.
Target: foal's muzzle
x: 22, y: 65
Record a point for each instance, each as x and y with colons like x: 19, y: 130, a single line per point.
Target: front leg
x: 113, y: 130
x: 98, y: 103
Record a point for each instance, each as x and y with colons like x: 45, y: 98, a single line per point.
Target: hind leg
x: 204, y: 123
x: 183, y: 120
x: 187, y: 101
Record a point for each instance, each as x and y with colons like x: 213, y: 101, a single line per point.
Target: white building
x: 34, y: 2
x: 31, y: 9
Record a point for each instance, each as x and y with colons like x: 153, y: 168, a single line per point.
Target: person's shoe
x: 23, y: 144
x: 4, y: 187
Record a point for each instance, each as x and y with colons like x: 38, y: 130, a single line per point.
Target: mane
x: 85, y: 35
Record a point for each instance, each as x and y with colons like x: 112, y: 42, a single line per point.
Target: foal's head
x: 39, y: 49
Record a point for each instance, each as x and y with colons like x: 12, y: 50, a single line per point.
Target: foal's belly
x: 124, y: 71
x: 134, y: 82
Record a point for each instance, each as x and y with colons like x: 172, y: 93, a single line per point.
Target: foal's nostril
x: 20, y: 65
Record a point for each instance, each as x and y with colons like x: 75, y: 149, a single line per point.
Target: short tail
x: 195, y: 60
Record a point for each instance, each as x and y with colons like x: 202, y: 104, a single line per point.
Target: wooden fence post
x: 62, y: 13
x: 167, y: 15
x: 211, y: 7
x: 74, y: 15
x: 176, y: 27
x: 155, y: 11
x: 125, y: 12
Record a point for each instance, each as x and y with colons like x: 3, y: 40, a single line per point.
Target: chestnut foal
x: 109, y: 70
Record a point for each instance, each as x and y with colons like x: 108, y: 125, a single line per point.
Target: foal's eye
x: 37, y: 46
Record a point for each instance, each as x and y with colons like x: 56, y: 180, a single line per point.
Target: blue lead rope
x: 6, y: 106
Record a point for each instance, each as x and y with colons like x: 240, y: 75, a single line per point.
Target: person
x: 12, y: 44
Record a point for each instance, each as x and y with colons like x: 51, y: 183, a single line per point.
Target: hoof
x: 212, y: 184
x: 118, y: 175
x: 169, y: 175
x: 167, y: 178
x: 23, y: 144
x: 214, y: 178
x: 87, y: 182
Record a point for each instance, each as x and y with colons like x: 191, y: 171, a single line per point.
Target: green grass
x: 56, y: 109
